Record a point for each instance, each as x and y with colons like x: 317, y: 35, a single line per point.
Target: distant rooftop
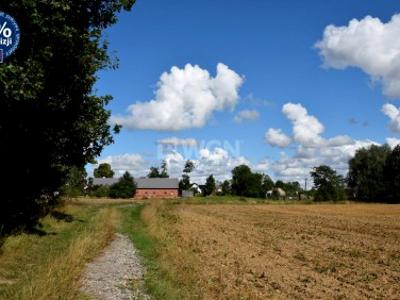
x: 143, y: 183
x: 104, y: 181
x: 157, y: 183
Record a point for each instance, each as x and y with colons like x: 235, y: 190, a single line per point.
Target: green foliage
x: 184, y: 183
x: 161, y: 172
x: 267, y: 184
x: 226, y: 188
x: 153, y: 173
x: 209, y: 187
x: 164, y: 170
x: 328, y: 184
x: 124, y: 188
x: 47, y: 101
x: 76, y: 182
x: 189, y: 167
x: 246, y: 183
x: 392, y: 176
x: 101, y: 191
x: 366, y: 173
x: 103, y: 171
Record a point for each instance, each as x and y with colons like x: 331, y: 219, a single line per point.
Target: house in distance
x: 156, y: 188
x: 147, y: 188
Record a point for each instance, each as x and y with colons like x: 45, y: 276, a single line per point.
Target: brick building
x: 147, y: 188
x: 156, y: 188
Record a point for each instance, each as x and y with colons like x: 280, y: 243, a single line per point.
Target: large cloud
x: 312, y: 149
x: 185, y: 98
x: 394, y: 115
x: 368, y: 44
x: 133, y: 163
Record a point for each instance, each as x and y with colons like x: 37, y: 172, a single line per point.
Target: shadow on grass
x: 60, y: 216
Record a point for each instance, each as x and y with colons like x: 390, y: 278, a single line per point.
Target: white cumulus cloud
x: 185, y: 98
x: 276, y: 137
x: 133, y: 163
x: 394, y: 115
x: 306, y: 128
x: 246, y: 115
x: 312, y: 148
x: 368, y: 44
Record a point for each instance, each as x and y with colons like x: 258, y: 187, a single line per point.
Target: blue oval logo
x: 9, y: 35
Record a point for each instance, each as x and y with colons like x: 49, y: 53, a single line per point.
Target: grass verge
x: 160, y: 280
x: 49, y: 266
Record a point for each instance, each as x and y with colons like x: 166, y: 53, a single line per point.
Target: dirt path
x: 116, y: 274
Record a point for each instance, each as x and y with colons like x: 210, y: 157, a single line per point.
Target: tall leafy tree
x: 328, y: 184
x: 184, y: 183
x: 103, y: 171
x: 246, y: 183
x: 164, y: 170
x: 153, y: 173
x: 267, y: 184
x: 209, y: 187
x: 161, y: 172
x: 226, y: 187
x: 366, y: 173
x: 50, y: 117
x: 392, y: 176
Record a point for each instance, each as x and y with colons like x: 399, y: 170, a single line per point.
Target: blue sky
x: 271, y: 46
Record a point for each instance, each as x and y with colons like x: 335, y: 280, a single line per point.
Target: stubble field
x: 346, y: 251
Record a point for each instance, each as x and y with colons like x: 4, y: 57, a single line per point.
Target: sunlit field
x: 253, y: 251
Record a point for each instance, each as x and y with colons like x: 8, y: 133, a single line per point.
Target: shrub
x: 124, y: 188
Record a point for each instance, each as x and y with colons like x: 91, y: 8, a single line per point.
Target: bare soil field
x: 344, y: 251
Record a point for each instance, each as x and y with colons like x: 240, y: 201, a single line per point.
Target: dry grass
x: 48, y: 267
x: 346, y: 251
x: 99, y: 201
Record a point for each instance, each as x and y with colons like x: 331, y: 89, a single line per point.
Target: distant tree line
x: 374, y: 176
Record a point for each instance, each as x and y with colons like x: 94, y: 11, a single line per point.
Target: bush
x: 101, y: 191
x: 124, y: 188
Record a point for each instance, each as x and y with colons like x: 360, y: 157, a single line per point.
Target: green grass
x: 238, y: 200
x: 159, y: 283
x: 48, y: 266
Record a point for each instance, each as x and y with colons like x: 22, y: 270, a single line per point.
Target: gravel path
x: 116, y: 274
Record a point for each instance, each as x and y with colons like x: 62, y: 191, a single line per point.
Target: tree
x: 226, y: 187
x: 153, y: 173
x: 161, y: 172
x: 246, y: 183
x: 366, y: 173
x: 124, y: 188
x: 76, y: 182
x: 164, y: 170
x: 103, y: 171
x: 209, y: 187
x: 184, y: 183
x: 47, y: 102
x: 267, y: 184
x: 328, y: 185
x: 392, y: 176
